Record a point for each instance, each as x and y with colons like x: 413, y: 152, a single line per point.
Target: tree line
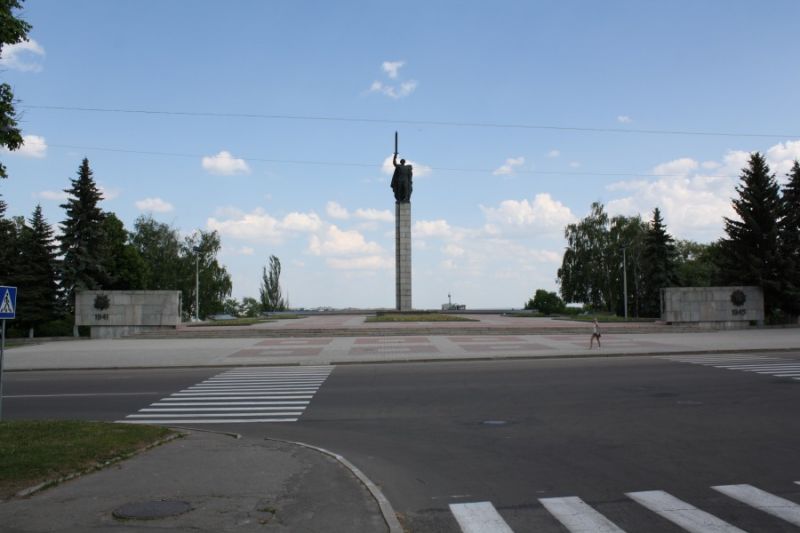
x: 760, y: 248
x: 94, y: 251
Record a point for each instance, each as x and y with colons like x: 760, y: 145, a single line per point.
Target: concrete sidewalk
x: 229, y: 484
x: 298, y: 350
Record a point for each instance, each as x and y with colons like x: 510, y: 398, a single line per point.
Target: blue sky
x: 274, y: 120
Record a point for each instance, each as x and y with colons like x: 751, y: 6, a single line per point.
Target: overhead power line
x: 626, y: 174
x: 267, y: 116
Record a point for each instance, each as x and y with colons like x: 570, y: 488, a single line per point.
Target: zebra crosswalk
x: 240, y: 395
x: 576, y: 516
x: 759, y: 364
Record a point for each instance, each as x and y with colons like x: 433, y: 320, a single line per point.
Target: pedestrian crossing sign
x: 8, y: 302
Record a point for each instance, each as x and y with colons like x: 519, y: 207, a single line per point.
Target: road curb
x: 385, y: 506
x: 494, y: 357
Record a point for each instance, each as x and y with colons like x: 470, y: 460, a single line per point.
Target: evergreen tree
x: 12, y: 31
x: 751, y: 253
x: 8, y: 248
x: 82, y: 238
x: 658, y: 264
x: 37, y: 286
x: 790, y: 241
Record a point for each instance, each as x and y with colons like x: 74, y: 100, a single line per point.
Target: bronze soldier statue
x: 401, y: 181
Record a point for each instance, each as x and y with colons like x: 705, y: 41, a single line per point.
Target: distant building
x: 450, y: 306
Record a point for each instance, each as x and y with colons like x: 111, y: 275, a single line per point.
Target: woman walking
x: 595, y: 335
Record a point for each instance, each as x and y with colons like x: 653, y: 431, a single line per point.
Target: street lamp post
x: 625, y: 281
x: 196, y: 283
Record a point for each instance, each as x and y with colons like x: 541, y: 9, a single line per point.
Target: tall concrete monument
x: 402, y: 186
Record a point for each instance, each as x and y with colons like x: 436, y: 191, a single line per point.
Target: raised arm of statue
x: 394, y: 159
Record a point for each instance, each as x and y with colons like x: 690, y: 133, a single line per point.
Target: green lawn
x: 35, y: 451
x: 245, y: 321
x: 417, y: 317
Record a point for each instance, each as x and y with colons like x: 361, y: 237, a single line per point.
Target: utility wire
x: 376, y: 165
x: 407, y: 122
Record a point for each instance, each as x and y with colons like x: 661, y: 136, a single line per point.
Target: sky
x: 272, y: 123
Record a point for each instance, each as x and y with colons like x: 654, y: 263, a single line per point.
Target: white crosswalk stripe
x: 763, y: 501
x: 773, y: 366
x: 479, y: 517
x: 681, y: 513
x: 252, y: 394
x: 576, y: 516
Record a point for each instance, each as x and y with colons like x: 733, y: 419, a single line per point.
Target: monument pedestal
x: 402, y: 247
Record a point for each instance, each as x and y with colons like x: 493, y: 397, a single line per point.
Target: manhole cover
x: 494, y: 422
x: 151, y: 510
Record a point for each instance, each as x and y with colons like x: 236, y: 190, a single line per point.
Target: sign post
x: 8, y: 307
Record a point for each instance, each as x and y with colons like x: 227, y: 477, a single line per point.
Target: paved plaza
x: 348, y: 339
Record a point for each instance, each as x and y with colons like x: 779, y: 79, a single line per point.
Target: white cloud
x: 22, y: 56
x: 108, y: 194
x: 543, y: 213
x: 574, y: 164
x: 374, y: 215
x: 509, y: 166
x: 225, y: 164
x: 781, y: 157
x: 260, y: 226
x: 301, y: 222
x: 432, y: 228
x: 342, y: 242
x: 453, y: 250
x: 51, y: 195
x: 553, y: 153
x: 156, y: 205
x: 394, y: 91
x: 256, y: 226
x: 335, y: 210
x: 419, y: 170
x: 391, y: 68
x: 678, y: 167
x: 370, y: 262
x: 244, y: 250
x: 624, y: 119
x: 33, y: 146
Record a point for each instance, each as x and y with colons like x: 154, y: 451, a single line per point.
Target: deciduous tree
x: 12, y: 31
x: 270, y: 291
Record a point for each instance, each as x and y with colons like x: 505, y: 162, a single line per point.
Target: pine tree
x: 8, y: 248
x: 790, y: 241
x: 658, y: 264
x: 82, y: 239
x: 751, y: 253
x: 37, y: 290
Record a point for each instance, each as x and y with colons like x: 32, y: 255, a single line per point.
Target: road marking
x: 232, y: 403
x: 205, y: 421
x: 480, y: 517
x: 772, y: 366
x: 577, y: 516
x: 763, y: 501
x: 681, y: 513
x: 265, y: 394
x: 196, y: 413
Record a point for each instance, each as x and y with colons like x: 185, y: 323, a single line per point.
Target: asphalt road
x: 511, y: 432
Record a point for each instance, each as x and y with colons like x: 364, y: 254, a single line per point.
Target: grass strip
x: 418, y: 317
x: 36, y: 451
